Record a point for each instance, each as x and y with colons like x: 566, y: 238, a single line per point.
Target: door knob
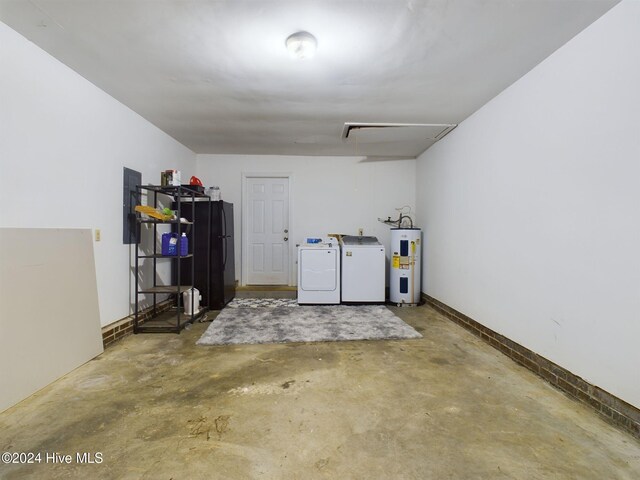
x: 286, y: 230
x: 286, y: 238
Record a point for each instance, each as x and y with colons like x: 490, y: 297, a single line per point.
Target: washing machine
x: 363, y: 269
x: 319, y: 271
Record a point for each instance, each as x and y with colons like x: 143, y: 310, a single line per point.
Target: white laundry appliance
x: 363, y: 269
x: 319, y: 271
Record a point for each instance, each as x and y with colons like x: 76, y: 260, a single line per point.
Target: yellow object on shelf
x: 152, y: 212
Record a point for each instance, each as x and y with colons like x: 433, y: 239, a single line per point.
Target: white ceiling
x: 215, y: 75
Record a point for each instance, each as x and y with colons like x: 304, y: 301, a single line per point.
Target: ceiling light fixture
x: 301, y: 45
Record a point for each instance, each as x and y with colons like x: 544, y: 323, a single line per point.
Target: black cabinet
x: 213, y: 265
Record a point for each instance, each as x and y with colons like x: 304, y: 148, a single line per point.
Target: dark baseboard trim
x: 117, y: 330
x: 612, y: 408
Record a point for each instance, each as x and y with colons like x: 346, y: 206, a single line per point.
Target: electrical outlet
x: 97, y: 233
x: 361, y: 231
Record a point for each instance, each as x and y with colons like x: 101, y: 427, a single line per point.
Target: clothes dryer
x: 319, y: 271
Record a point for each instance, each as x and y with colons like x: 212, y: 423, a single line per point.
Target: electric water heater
x: 404, y: 278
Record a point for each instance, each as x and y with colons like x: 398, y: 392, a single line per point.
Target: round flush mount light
x: 301, y: 45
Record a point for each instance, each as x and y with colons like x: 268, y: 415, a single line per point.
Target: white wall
x: 532, y: 208
x: 63, y: 145
x: 329, y: 194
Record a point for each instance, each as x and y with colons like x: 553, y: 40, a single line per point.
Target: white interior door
x: 267, y: 231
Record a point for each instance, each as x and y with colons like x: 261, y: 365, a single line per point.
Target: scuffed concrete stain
x: 288, y: 387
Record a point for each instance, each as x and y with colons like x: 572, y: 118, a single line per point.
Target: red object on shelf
x: 195, y: 181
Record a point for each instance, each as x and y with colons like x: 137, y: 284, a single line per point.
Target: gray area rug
x: 317, y: 323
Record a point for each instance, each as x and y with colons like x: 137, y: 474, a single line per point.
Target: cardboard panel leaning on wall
x: 50, y: 322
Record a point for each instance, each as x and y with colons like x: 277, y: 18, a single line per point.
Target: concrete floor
x: 446, y: 406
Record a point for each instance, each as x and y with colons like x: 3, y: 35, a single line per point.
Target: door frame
x: 244, y: 271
